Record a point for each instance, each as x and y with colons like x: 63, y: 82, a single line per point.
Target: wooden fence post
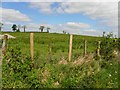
x: 4, y: 45
x: 32, y: 45
x: 98, y: 49
x: 70, y: 48
x: 85, y: 47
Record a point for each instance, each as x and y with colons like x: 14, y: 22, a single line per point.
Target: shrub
x: 107, y: 47
x: 17, y: 70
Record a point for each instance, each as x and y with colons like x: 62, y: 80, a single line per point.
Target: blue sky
x: 39, y: 17
x: 78, y: 18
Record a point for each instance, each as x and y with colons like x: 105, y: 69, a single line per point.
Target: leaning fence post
x: 85, y: 47
x: 98, y: 49
x: 32, y: 45
x: 70, y: 48
x: 4, y: 45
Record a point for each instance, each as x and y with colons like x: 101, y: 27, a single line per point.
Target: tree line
x: 16, y: 28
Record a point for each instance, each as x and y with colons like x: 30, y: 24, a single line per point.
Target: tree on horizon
x: 48, y: 29
x: 1, y: 24
x: 103, y: 34
x: 24, y: 27
x: 14, y: 27
x: 41, y: 28
x: 18, y: 30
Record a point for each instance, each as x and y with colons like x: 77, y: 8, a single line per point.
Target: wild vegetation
x: 51, y: 68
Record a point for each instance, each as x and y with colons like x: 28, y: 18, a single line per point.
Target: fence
x: 5, y: 39
x: 70, y: 47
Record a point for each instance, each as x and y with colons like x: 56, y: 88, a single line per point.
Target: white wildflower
x: 115, y: 71
x: 110, y: 63
x: 109, y: 75
x: 56, y: 83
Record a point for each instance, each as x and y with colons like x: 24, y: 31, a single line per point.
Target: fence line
x: 70, y: 47
x: 4, y: 47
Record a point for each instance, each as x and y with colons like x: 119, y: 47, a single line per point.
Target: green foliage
x: 108, y: 45
x: 108, y: 77
x: 1, y: 41
x: 48, y: 73
x: 17, y: 70
x: 18, y: 73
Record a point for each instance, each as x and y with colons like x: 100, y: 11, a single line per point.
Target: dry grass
x: 63, y: 61
x: 81, y: 60
x: 45, y: 75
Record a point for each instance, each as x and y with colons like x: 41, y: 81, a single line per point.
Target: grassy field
x: 58, y: 42
x: 48, y: 73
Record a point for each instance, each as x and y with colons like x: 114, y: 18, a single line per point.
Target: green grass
x: 60, y: 44
x: 94, y: 74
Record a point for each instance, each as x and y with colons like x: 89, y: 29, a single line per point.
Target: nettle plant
x: 108, y: 45
x: 17, y: 70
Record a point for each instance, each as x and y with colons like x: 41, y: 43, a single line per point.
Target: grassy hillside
x: 58, y: 42
x: 56, y: 72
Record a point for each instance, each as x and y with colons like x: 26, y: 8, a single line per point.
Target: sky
x: 83, y: 18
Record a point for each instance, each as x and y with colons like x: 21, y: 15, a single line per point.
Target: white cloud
x: 71, y: 27
x: 43, y: 6
x: 96, y: 10
x: 105, y: 12
x: 12, y: 15
x: 75, y: 25
x: 92, y: 32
